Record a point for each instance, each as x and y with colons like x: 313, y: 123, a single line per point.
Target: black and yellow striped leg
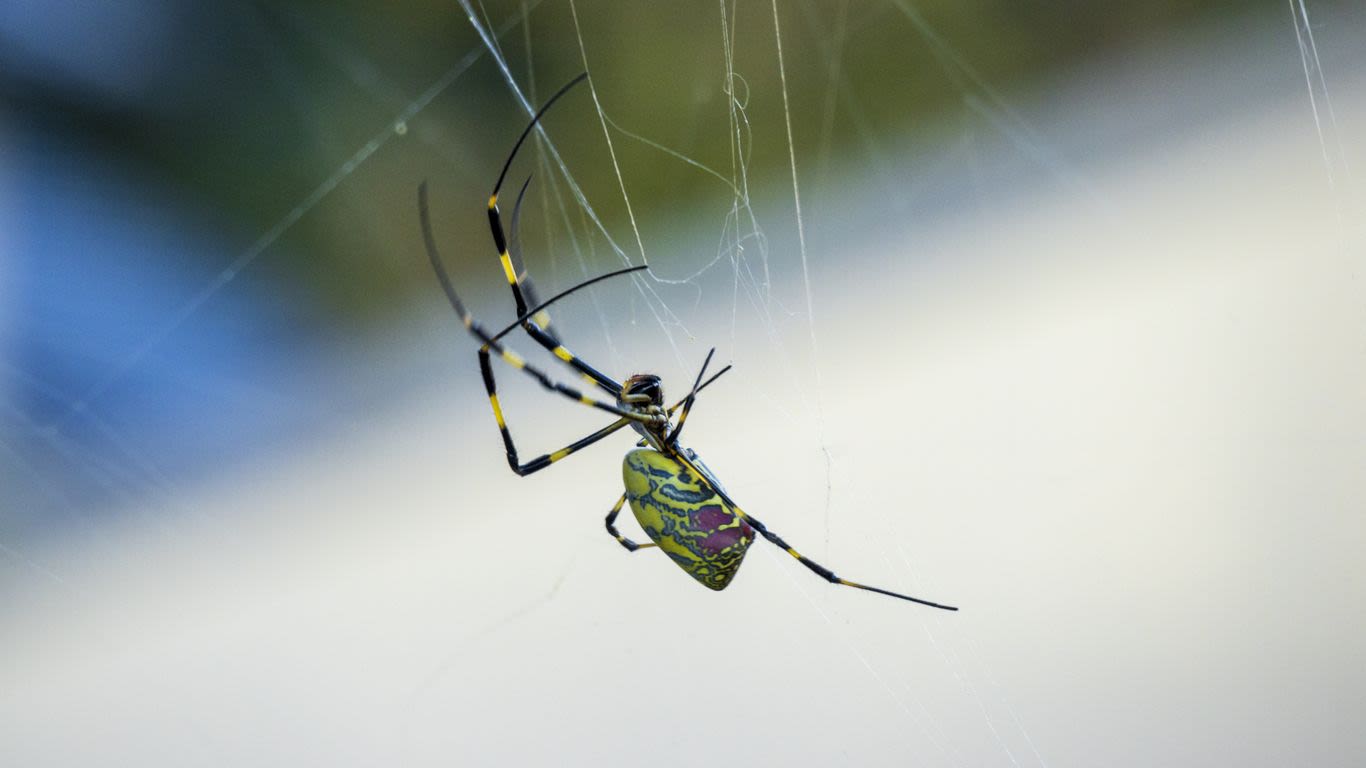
x: 490, y: 343
x: 776, y: 540
x: 529, y: 292
x: 589, y: 373
x: 516, y: 361
x: 504, y: 257
x: 705, y: 384
x: 630, y: 546
x: 499, y: 239
x: 826, y: 573
x: 511, y: 267
x: 643, y: 442
x: 540, y: 336
x: 692, y: 396
x: 540, y: 462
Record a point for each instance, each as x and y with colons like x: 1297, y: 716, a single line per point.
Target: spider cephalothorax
x: 644, y: 394
x: 643, y: 389
x: 678, y: 501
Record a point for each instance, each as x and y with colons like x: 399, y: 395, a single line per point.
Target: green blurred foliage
x: 293, y: 89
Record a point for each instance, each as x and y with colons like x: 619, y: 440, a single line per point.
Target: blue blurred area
x: 102, y: 51
x: 113, y: 379
x: 144, y: 150
x: 99, y: 260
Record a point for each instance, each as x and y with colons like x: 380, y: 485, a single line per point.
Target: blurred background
x: 1053, y: 311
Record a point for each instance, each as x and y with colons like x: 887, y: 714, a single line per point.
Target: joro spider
x: 676, y: 499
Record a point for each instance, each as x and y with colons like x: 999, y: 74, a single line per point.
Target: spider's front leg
x: 515, y: 271
x: 539, y: 335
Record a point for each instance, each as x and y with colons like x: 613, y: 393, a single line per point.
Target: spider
x: 676, y: 499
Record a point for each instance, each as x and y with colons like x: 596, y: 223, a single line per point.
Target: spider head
x: 644, y: 394
x: 642, y: 391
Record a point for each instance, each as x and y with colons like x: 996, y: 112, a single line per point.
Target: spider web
x: 770, y: 277
x: 752, y: 275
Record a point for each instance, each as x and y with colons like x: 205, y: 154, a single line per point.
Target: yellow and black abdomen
x: 686, y: 517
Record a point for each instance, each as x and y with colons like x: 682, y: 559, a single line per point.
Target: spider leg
x: 630, y: 546
x: 540, y: 462
x: 517, y: 280
x: 776, y: 540
x: 529, y: 291
x: 705, y: 384
x: 495, y: 222
x: 642, y: 442
x: 490, y: 344
x: 516, y: 361
x: 692, y: 395
x: 517, y: 277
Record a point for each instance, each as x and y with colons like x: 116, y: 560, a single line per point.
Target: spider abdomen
x: 686, y: 517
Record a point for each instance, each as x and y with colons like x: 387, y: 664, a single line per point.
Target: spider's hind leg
x: 630, y: 546
x: 776, y: 540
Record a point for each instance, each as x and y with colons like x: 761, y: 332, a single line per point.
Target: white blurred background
x: 1084, y: 356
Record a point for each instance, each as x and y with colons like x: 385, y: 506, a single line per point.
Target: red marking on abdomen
x: 711, y: 517
x: 720, y: 541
